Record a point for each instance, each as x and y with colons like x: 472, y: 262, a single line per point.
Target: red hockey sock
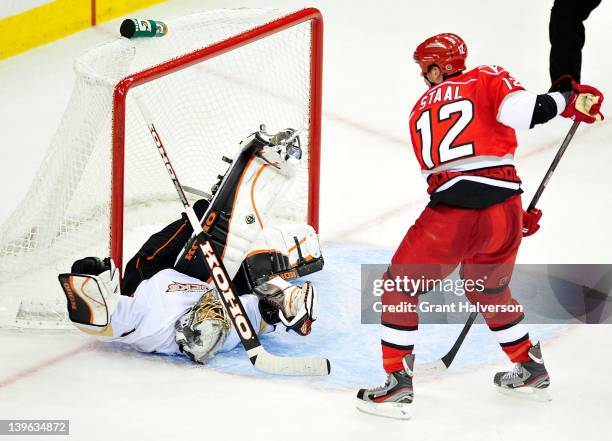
x: 518, y: 353
x: 392, y: 358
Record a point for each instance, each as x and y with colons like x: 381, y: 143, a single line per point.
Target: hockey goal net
x: 102, y: 189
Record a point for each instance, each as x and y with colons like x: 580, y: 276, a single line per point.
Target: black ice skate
x: 527, y: 380
x: 393, y: 399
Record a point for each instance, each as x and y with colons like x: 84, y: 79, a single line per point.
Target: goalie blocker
x: 91, y: 290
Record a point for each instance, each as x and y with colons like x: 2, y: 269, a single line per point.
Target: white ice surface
x: 371, y: 192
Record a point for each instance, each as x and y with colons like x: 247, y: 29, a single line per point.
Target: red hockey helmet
x: 447, y: 51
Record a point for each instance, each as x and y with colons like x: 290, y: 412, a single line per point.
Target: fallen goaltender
x: 167, y: 302
x: 173, y: 313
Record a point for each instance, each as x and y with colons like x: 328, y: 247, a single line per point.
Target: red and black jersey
x: 465, y: 153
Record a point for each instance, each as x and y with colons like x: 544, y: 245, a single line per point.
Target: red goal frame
x: 123, y: 87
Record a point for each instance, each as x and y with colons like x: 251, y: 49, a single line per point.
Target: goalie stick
x: 444, y: 362
x: 259, y: 357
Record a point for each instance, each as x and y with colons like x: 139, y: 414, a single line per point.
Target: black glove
x: 90, y: 265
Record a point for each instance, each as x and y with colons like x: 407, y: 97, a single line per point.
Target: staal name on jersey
x: 448, y: 93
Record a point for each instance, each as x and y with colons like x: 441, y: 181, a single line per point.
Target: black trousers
x: 160, y: 251
x: 566, y: 31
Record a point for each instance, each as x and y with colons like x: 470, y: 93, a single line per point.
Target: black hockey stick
x: 260, y: 358
x: 444, y: 362
x: 553, y: 165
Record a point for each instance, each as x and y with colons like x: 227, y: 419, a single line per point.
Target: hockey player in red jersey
x: 463, y: 133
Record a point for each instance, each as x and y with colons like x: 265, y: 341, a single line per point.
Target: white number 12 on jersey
x: 446, y: 150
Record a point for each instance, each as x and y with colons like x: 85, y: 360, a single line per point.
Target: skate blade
x: 398, y: 411
x: 527, y: 393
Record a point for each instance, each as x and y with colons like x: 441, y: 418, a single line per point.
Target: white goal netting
x: 202, y: 112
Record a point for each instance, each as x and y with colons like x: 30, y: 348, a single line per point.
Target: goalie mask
x: 202, y: 331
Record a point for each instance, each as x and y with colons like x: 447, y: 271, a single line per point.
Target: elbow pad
x: 522, y: 110
x: 547, y: 106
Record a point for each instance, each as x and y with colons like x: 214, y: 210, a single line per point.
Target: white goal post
x: 101, y: 189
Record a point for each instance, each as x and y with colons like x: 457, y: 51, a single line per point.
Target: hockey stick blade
x: 432, y: 367
x: 274, y: 364
x: 443, y: 363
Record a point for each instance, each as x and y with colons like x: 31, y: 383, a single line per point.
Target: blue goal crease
x: 353, y: 348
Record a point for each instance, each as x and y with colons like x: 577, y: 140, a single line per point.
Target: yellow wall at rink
x: 57, y: 19
x: 109, y: 9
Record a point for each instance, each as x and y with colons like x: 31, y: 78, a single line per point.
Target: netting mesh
x: 202, y: 112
